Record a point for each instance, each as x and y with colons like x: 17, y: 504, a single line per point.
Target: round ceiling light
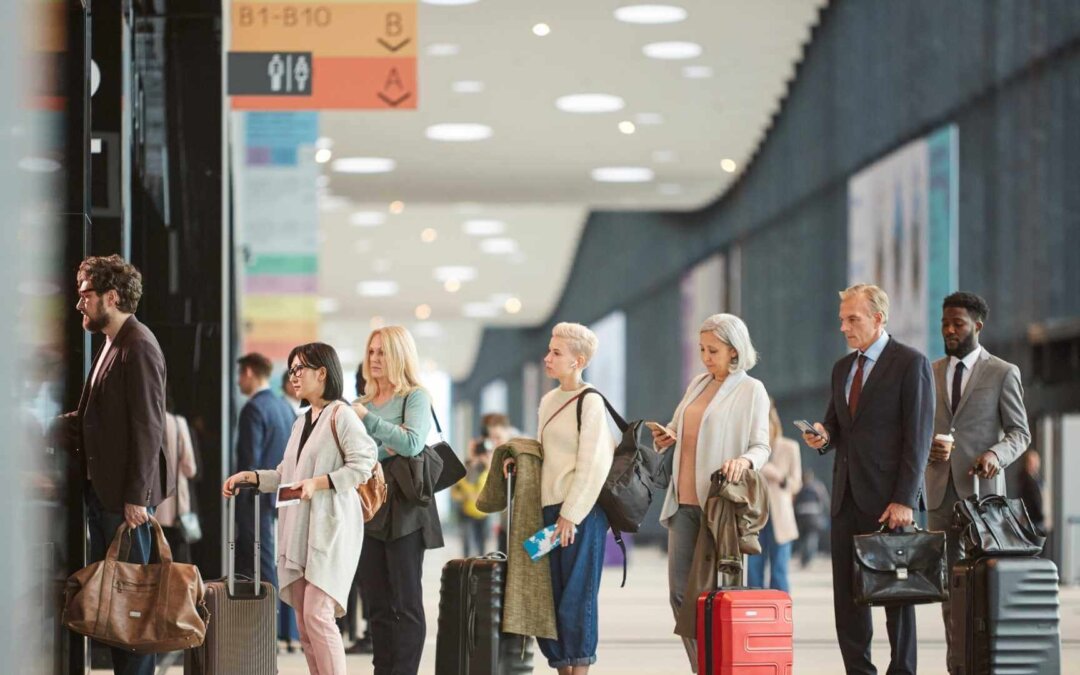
x: 672, y: 50
x: 622, y: 174
x: 397, y: 207
x: 627, y: 127
x: 589, y: 103
x: 484, y: 227
x: 650, y: 14
x: 363, y: 164
x: 728, y: 165
x: 467, y: 87
x: 443, y: 49
x: 458, y: 132
x: 377, y: 289
x: 541, y: 30
x: 697, y: 72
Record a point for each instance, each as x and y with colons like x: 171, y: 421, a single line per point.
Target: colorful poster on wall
x: 902, y: 234
x: 702, y: 293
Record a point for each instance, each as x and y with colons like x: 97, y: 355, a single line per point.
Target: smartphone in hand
x: 807, y: 428
x: 667, y: 431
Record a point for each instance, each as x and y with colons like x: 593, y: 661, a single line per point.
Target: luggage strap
x: 622, y: 547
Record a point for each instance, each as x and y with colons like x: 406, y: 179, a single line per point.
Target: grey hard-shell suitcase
x: 1005, y: 617
x: 241, y: 638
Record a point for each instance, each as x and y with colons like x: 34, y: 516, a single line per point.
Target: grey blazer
x: 990, y: 416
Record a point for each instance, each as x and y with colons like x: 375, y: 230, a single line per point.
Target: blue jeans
x: 103, y: 525
x: 575, y: 582
x: 777, y: 555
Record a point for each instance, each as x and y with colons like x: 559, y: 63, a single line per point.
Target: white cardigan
x: 735, y: 424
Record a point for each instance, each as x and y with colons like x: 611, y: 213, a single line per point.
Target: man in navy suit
x: 266, y: 422
x: 880, y: 421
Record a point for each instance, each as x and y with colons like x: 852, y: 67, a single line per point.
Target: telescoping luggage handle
x: 231, y: 534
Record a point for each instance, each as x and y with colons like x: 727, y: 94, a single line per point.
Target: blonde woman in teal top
x: 396, y: 411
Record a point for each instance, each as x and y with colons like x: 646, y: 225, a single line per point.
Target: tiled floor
x: 635, y: 625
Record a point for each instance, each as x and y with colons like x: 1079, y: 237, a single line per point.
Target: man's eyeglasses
x: 84, y: 295
x: 298, y: 368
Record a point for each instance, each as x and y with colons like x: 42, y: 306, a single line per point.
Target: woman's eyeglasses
x: 297, y: 369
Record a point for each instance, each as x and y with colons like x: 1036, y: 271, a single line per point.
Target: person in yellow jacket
x: 475, y: 524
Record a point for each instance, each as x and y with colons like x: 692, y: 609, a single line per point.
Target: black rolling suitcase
x: 470, y: 640
x: 1005, y: 617
x: 241, y: 637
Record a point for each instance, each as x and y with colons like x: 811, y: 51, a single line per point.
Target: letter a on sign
x: 393, y: 79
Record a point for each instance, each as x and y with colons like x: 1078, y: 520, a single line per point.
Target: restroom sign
x: 329, y: 55
x: 270, y: 73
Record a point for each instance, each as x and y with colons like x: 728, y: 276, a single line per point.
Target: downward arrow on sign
x: 394, y: 102
x: 396, y: 47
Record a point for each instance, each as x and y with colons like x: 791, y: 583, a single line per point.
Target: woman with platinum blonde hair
x: 721, y: 424
x: 576, y: 464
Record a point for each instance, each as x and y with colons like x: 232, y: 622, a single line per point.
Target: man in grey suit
x: 980, y: 402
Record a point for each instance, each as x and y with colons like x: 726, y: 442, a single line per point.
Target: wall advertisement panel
x: 902, y: 234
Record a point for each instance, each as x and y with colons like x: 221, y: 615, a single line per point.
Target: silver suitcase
x: 241, y: 638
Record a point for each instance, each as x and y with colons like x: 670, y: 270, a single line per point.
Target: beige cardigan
x: 179, y: 452
x: 735, y: 424
x: 320, y: 540
x: 785, y: 463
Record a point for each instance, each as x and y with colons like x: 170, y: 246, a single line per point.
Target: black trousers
x: 854, y: 625
x: 390, y: 573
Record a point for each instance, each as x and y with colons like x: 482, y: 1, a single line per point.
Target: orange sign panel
x: 347, y: 84
x: 327, y: 29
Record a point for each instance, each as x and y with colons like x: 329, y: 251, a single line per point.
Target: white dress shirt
x: 969, y: 362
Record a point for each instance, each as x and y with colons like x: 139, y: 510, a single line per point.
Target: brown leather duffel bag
x: 142, y: 608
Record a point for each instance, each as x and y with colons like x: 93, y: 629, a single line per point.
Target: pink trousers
x: 319, y: 635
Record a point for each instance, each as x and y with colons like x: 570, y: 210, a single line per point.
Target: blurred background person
x: 475, y: 524
x: 266, y: 422
x: 783, y: 478
x: 1031, y: 488
x: 180, y: 453
x: 811, y: 519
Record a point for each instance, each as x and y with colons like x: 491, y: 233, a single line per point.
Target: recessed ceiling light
x: 672, y: 50
x: 697, y: 72
x: 367, y: 218
x: 363, y: 164
x: 484, y: 227
x: 649, y: 119
x: 443, y: 49
x: 452, y: 285
x: 458, y: 272
x: 423, y: 312
x: 498, y: 245
x: 429, y: 235
x: 467, y: 87
x: 622, y: 174
x: 728, y: 165
x: 650, y: 14
x: 324, y: 142
x: 589, y: 103
x: 512, y: 306
x: 627, y: 127
x: 327, y: 305
x: 458, y: 132
x: 450, y: 3
x: 664, y: 156
x: 323, y: 155
x: 377, y: 289
x: 397, y: 207
x: 479, y: 310
x: 541, y: 30
x: 377, y: 322
x: 670, y: 189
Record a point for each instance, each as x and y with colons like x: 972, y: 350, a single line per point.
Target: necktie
x: 957, y: 381
x: 856, y: 386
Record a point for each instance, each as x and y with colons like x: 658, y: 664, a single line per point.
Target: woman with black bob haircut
x: 320, y: 537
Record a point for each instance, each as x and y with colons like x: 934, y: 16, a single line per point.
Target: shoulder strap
x: 540, y: 436
x: 333, y: 430
x: 405, y: 404
x: 619, y: 421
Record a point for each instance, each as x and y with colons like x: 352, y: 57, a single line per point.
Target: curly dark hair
x: 976, y: 307
x: 113, y: 273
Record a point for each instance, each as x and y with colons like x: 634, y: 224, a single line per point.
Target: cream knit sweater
x: 575, y: 466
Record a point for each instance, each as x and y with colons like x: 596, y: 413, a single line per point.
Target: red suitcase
x: 744, y: 632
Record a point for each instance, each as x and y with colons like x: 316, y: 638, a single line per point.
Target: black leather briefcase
x: 902, y: 568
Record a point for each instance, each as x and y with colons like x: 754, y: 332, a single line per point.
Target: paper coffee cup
x: 946, y: 440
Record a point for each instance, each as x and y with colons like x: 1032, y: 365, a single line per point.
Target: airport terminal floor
x: 635, y: 624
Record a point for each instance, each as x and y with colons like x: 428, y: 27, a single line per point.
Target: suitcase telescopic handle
x: 231, y: 534
x: 511, y: 472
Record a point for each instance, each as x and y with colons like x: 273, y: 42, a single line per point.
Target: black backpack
x: 627, y: 492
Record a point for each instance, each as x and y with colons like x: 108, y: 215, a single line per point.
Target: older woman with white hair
x: 721, y: 424
x: 576, y: 463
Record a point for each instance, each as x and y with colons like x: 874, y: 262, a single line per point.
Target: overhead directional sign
x: 362, y: 55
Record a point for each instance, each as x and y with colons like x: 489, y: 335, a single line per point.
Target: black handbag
x: 900, y: 568
x: 995, y: 526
